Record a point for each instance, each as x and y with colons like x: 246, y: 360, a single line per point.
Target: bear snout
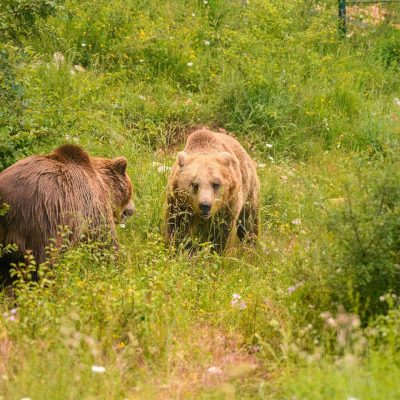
x: 129, y: 210
x: 205, y: 209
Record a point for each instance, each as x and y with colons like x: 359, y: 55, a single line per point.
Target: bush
x: 364, y: 261
x: 19, y: 18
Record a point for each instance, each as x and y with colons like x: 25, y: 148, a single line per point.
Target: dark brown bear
x: 66, y: 188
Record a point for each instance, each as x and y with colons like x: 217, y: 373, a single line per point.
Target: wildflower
x: 214, y: 370
x: 269, y: 145
x: 382, y: 298
x: 205, y: 2
x: 261, y: 165
x: 237, y: 302
x: 207, y: 42
x: 352, y: 398
x: 293, y: 288
x: 163, y: 168
x: 97, y: 369
x: 397, y: 101
x: 296, y: 221
x: 193, y: 14
x: 190, y: 64
x: 12, y: 318
x: 271, y: 158
x: 141, y: 97
x: 83, y: 44
x: 122, y: 226
x: 25, y: 398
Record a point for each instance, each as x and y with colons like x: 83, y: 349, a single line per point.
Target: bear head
x: 113, y: 173
x: 206, y: 180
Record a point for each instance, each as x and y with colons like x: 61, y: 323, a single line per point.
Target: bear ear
x: 225, y: 158
x: 182, y: 158
x: 120, y: 164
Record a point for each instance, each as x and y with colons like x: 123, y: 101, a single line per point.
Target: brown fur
x: 65, y: 188
x: 213, y: 170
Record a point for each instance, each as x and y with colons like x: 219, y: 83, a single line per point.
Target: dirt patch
x: 5, y: 352
x: 209, y: 359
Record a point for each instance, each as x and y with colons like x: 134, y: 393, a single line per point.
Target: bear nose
x: 205, y: 208
x: 129, y: 210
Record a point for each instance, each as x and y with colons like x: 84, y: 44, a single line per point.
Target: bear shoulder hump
x: 71, y: 153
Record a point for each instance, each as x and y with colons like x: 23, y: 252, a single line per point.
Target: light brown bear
x: 212, y: 193
x: 65, y: 188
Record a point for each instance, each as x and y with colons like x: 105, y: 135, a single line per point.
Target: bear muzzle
x: 129, y: 210
x: 205, y: 210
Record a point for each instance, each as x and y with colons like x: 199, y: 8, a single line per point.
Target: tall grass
x: 312, y: 311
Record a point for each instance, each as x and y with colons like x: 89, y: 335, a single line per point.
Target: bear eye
x: 194, y: 186
x: 216, y: 185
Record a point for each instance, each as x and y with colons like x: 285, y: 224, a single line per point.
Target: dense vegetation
x: 313, y: 311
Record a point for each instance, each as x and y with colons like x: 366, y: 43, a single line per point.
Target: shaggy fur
x: 66, y: 188
x: 213, y: 192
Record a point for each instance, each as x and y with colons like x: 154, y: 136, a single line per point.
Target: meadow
x: 312, y: 312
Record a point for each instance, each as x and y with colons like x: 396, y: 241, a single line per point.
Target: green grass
x: 317, y: 112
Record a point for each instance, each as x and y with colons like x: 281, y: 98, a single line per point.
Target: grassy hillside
x: 312, y: 312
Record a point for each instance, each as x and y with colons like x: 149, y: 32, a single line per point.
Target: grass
x: 316, y: 111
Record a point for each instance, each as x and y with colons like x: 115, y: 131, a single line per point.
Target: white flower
x: 269, y: 145
x: 207, y: 42
x: 163, y: 168
x: 397, y: 101
x: 296, y: 221
x: 214, y: 370
x: 83, y: 44
x: 193, y: 14
x: 190, y: 64
x: 271, y: 158
x: 25, y: 398
x: 237, y: 302
x: 205, y: 2
x: 352, y: 398
x: 97, y: 369
x: 141, y: 97
x: 122, y: 226
x: 261, y: 165
x: 293, y: 288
